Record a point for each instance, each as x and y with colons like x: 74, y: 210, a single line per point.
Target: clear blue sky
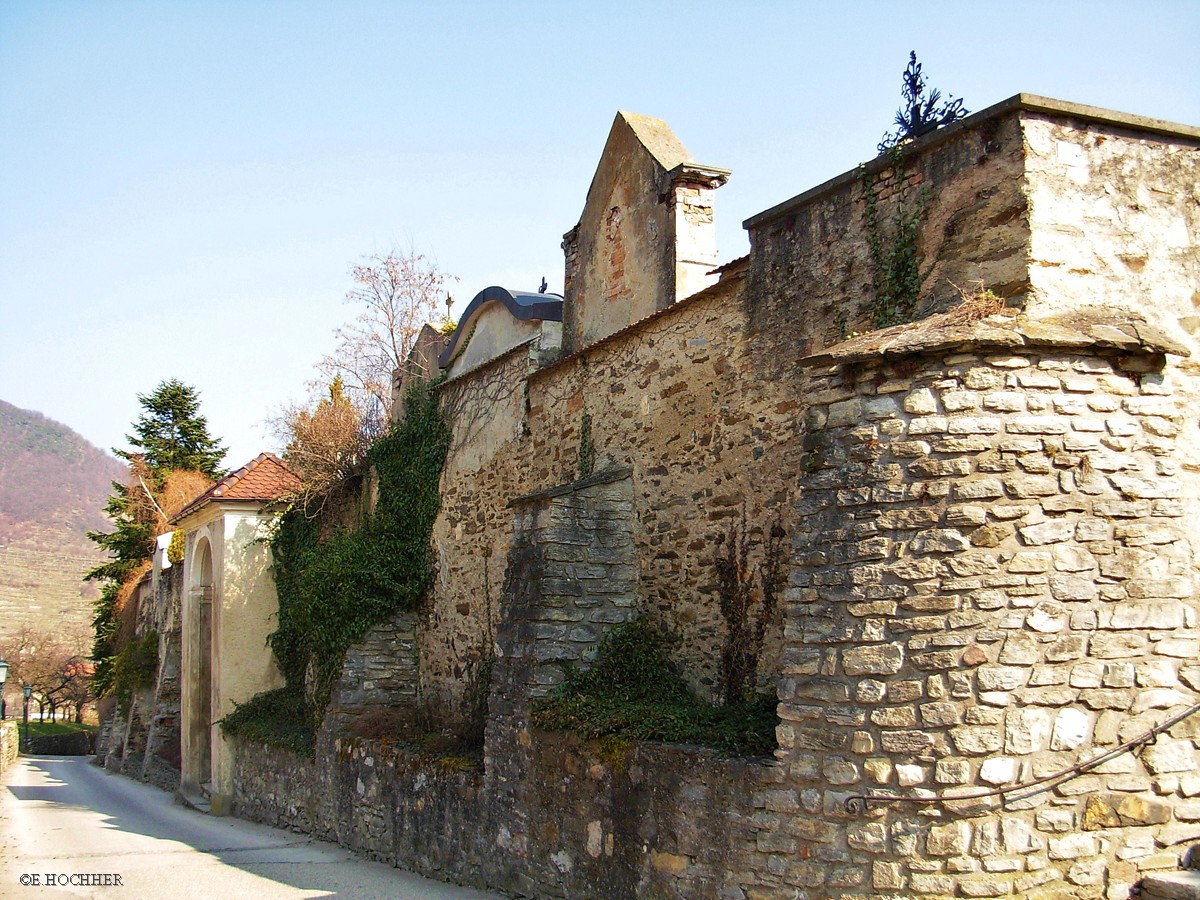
x: 184, y: 185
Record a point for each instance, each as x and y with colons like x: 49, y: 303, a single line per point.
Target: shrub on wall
x: 631, y: 691
x: 332, y: 589
x: 133, y: 669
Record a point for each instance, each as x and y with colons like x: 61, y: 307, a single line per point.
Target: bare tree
x: 398, y: 293
x: 55, y: 666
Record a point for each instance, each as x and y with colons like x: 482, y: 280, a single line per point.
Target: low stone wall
x: 560, y: 818
x: 9, y: 743
x: 80, y: 743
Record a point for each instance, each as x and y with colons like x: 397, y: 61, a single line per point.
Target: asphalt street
x: 64, y: 819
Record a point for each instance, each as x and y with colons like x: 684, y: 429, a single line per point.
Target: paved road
x: 61, y: 815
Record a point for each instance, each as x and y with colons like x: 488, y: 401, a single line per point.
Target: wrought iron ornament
x: 920, y: 114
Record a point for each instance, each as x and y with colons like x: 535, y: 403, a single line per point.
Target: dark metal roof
x: 520, y: 305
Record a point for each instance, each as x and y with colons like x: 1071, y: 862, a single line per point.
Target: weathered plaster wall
x: 1115, y: 217
x: 495, y: 331
x: 244, y: 606
x: 244, y: 615
x: 645, y: 238
x: 625, y: 265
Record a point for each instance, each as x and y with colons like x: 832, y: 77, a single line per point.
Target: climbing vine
x: 897, y: 274
x: 134, y: 668
x: 587, y: 450
x: 748, y: 605
x: 333, y: 586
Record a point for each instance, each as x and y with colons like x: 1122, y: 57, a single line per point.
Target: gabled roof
x: 658, y: 139
x: 264, y: 478
x: 520, y: 305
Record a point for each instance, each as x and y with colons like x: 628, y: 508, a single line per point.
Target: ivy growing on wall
x: 334, y: 587
x: 134, y: 668
x: 897, y: 273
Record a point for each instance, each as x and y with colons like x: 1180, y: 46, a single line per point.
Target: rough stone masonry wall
x: 380, y: 673
x: 650, y: 820
x: 1114, y: 213
x: 9, y: 743
x: 570, y: 579
x: 672, y: 401
x: 143, y: 740
x: 810, y: 279
x: 994, y: 583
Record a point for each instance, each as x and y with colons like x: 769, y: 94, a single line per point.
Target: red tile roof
x: 264, y: 478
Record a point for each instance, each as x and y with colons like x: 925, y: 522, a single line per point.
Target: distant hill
x: 53, y: 486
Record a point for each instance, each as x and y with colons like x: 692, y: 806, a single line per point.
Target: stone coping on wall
x: 1060, y: 109
x: 605, y: 476
x: 955, y: 330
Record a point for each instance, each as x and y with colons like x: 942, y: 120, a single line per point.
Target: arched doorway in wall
x: 200, y: 722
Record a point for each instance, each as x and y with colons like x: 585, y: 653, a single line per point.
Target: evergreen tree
x: 170, y: 434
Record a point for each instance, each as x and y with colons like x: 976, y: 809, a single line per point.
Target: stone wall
x: 141, y: 739
x: 586, y: 820
x: 570, y: 578
x: 1113, y: 214
x: 711, y: 454
x: 994, y: 584
x: 379, y: 674
x: 991, y: 574
x: 810, y: 260
x: 9, y: 743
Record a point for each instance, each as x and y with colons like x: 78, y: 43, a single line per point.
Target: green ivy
x: 332, y: 590
x: 133, y: 669
x: 587, y: 450
x: 897, y: 275
x: 632, y: 692
x: 279, y: 718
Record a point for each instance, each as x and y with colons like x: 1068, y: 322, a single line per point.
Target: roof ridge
x: 254, y: 486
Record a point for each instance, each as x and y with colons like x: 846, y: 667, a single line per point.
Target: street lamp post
x: 3, y: 678
x: 26, y: 690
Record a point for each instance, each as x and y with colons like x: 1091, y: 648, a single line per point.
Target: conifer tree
x: 170, y: 434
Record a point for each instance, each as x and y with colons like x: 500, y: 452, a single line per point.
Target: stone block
x: 1027, y: 730
x: 998, y: 770
x: 1072, y: 727
x: 1070, y: 588
x: 976, y: 740
x: 948, y: 840
x: 1169, y: 755
x: 1073, y: 846
x: 921, y: 401
x: 1052, y: 531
